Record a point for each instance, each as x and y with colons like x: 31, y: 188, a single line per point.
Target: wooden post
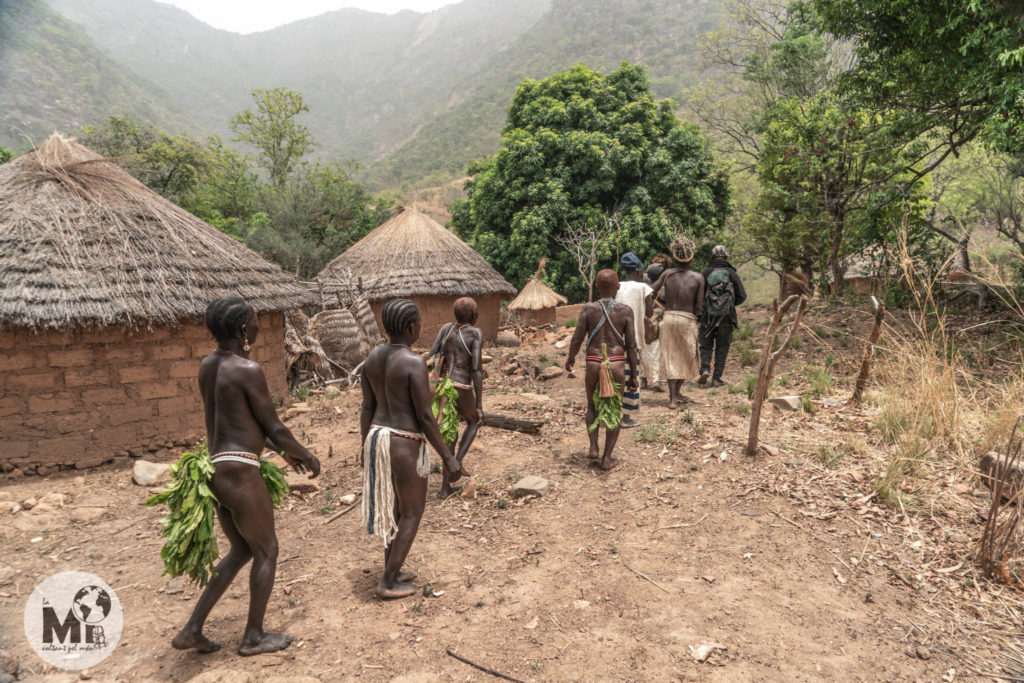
x: 768, y: 361
x: 869, y: 349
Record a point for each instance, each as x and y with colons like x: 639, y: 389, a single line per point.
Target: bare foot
x: 608, y: 463
x: 187, y: 640
x: 593, y: 455
x: 399, y: 590
x: 268, y: 642
x: 405, y: 577
x: 672, y: 405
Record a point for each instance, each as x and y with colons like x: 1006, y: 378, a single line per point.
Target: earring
x: 245, y: 343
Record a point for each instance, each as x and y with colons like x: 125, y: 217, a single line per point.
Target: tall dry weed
x: 937, y: 412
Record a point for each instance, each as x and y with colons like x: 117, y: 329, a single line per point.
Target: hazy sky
x: 247, y: 16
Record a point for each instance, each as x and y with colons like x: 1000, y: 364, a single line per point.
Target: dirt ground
x: 783, y: 564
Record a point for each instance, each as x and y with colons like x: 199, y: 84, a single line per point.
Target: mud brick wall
x: 565, y: 313
x: 80, y: 398
x: 437, y: 310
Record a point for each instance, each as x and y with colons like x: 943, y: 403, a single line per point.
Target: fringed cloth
x: 378, y: 506
x: 235, y: 456
x: 679, y: 360
x: 631, y: 399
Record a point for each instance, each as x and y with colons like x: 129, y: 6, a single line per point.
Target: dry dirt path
x: 609, y: 576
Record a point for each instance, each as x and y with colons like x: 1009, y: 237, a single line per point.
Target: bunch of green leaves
x: 449, y: 420
x: 191, y: 546
x: 609, y: 410
x: 273, y: 477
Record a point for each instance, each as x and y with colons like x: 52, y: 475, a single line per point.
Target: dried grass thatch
x: 83, y: 243
x: 306, y: 360
x: 411, y: 254
x: 338, y: 333
x: 535, y: 295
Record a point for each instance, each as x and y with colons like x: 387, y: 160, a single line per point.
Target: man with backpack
x: 723, y: 292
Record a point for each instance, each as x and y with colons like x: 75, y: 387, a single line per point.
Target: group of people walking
x: 625, y: 346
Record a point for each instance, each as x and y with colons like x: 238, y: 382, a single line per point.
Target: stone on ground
x: 223, y: 676
x: 148, y: 473
x: 530, y: 485
x: 301, y: 483
x: 551, y: 372
x: 86, y: 514
x: 786, y: 402
x: 991, y: 462
x: 507, y: 338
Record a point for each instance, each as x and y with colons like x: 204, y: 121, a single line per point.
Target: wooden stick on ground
x: 869, y: 349
x: 647, y: 578
x: 768, y: 361
x: 343, y: 512
x: 482, y: 668
x: 511, y: 423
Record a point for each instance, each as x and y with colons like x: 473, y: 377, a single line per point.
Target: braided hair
x: 226, y: 316
x: 398, y: 315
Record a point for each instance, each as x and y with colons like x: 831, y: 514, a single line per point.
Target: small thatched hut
x: 536, y: 302
x: 103, y: 287
x: 413, y: 256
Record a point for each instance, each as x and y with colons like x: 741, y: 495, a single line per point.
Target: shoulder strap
x: 605, y: 318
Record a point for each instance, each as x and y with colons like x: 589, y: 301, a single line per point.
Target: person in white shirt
x: 636, y: 294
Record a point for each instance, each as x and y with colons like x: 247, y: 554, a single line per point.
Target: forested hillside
x: 370, y: 80
x: 409, y: 96
x: 52, y: 75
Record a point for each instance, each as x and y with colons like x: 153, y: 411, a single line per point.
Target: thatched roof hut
x: 103, y: 287
x: 413, y: 256
x: 536, y: 302
x: 83, y: 243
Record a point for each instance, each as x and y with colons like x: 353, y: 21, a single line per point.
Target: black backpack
x: 719, y: 296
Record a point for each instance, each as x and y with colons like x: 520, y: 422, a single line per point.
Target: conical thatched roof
x: 83, y: 243
x: 411, y: 254
x: 535, y: 295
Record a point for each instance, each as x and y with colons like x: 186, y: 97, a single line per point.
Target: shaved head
x: 607, y: 283
x: 465, y: 310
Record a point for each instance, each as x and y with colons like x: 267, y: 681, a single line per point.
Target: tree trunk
x: 869, y: 349
x: 768, y: 361
x: 834, y: 264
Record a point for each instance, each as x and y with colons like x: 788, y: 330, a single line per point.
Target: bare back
x: 226, y: 382
x: 392, y: 372
x: 684, y: 290
x: 616, y: 331
x: 461, y: 349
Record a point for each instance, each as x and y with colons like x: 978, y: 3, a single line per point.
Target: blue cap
x: 631, y: 261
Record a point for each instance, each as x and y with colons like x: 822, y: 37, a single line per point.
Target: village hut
x: 103, y: 289
x: 536, y: 302
x: 413, y: 256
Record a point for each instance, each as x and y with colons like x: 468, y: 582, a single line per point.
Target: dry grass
x: 937, y: 413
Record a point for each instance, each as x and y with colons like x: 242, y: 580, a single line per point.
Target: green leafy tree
x: 5, y: 155
x: 830, y: 187
x: 172, y: 165
x: 954, y: 67
x: 272, y: 129
x: 581, y: 147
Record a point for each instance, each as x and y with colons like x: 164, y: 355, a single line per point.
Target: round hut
x: 536, y: 302
x: 103, y: 288
x: 413, y: 256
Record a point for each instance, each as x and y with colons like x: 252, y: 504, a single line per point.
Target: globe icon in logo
x: 91, y: 605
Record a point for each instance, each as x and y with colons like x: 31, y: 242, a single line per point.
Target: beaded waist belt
x: 412, y: 436
x: 598, y: 359
x: 236, y: 456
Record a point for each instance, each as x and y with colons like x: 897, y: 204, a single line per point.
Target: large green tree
x: 954, y: 67
x: 5, y: 154
x: 830, y: 187
x: 581, y: 147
